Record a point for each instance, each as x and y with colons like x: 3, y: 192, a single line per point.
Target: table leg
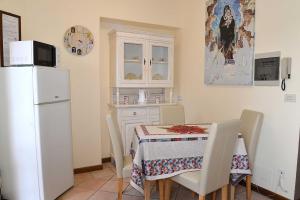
x: 214, y: 195
x: 168, y: 184
x: 248, y: 187
x: 225, y: 192
x: 156, y: 185
x: 161, y: 189
x: 232, y: 192
x: 147, y: 190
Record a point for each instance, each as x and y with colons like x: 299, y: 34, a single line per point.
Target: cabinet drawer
x: 133, y: 112
x: 155, y: 123
x: 153, y: 112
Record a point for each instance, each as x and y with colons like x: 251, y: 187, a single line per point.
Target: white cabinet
x: 141, y: 60
x: 129, y: 118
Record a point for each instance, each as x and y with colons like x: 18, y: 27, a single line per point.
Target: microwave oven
x: 32, y: 53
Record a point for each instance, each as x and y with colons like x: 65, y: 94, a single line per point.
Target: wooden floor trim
x: 92, y: 168
x: 265, y: 192
x: 88, y: 169
x: 106, y: 160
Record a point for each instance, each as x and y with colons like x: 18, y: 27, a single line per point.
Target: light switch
x: 291, y: 98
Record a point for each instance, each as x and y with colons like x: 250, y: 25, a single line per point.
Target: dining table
x: 159, y: 153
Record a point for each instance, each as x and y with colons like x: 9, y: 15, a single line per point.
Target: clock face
x: 78, y: 40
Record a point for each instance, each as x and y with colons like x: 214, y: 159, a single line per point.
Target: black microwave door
x: 44, y: 54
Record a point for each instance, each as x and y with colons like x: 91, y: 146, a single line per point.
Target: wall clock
x: 78, y: 40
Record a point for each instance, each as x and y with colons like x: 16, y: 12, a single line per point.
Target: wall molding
x: 265, y: 192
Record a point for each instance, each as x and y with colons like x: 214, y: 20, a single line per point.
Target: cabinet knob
x: 134, y: 113
x: 56, y: 97
x: 144, y: 61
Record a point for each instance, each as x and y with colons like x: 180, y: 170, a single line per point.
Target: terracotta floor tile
x: 114, y: 178
x: 77, y: 194
x: 108, y: 165
x: 103, y: 174
x: 111, y: 186
x: 102, y: 195
x: 132, y: 191
x: 129, y: 197
x: 185, y: 194
x: 93, y: 184
x: 259, y: 196
x: 80, y: 178
x: 239, y: 189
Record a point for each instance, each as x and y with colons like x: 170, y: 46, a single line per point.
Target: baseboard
x: 106, y: 160
x: 265, y: 192
x: 92, y: 168
x: 88, y: 169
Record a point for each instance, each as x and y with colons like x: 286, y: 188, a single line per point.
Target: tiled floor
x: 101, y: 185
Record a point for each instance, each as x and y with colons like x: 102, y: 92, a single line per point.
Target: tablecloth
x: 159, y: 154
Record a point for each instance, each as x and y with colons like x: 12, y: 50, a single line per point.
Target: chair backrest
x: 251, y: 122
x: 172, y: 114
x: 218, y: 156
x: 116, y: 141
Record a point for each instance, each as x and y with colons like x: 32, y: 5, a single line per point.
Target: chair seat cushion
x: 190, y: 180
x: 127, y: 166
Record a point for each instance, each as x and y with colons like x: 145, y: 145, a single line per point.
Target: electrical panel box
x: 267, y: 69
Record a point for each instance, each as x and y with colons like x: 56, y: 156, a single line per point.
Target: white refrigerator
x: 35, y: 133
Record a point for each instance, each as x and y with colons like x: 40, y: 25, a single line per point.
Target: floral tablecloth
x: 159, y: 154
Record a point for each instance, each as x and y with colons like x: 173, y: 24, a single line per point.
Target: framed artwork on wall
x: 229, y: 42
x: 10, y: 30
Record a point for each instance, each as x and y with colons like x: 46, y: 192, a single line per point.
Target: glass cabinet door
x: 133, y: 62
x: 159, y: 63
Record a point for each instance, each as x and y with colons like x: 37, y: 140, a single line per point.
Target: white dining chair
x: 172, y: 114
x: 123, y: 163
x: 217, y: 163
x: 251, y: 122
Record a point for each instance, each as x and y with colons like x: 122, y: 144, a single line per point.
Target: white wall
x: 48, y: 20
x: 276, y: 29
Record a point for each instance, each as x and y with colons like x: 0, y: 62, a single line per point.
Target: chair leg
x: 225, y: 192
x: 248, y: 187
x: 161, y: 189
x: 201, y: 197
x: 157, y: 185
x: 120, y: 188
x: 193, y: 194
x: 147, y: 190
x: 214, y: 195
x: 232, y: 192
x: 168, y: 184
